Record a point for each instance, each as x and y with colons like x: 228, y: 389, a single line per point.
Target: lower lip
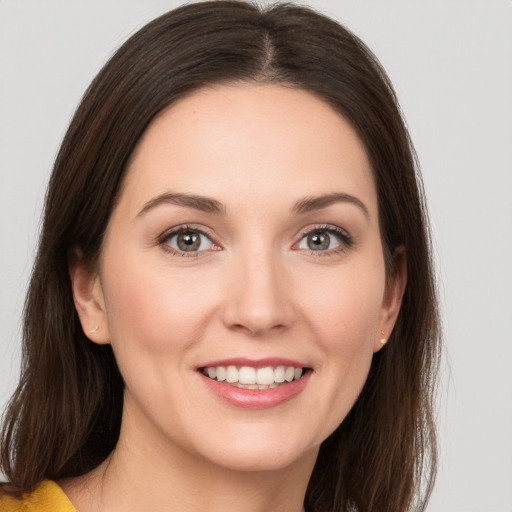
x: 256, y: 398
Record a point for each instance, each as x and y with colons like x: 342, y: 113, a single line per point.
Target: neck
x: 142, y: 475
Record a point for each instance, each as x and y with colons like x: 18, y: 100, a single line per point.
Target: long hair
x: 64, y: 418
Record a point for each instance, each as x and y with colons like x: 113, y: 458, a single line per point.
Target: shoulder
x: 47, y: 497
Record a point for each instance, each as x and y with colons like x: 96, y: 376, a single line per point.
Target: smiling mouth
x: 247, y: 377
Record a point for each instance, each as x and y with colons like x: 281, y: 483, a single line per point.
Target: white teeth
x: 246, y: 386
x: 265, y: 375
x: 289, y: 374
x: 279, y: 374
x: 248, y: 377
x: 231, y: 374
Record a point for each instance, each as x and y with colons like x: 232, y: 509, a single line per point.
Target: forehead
x: 250, y: 142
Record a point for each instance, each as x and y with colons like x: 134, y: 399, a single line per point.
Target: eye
x: 188, y: 240
x: 325, y: 239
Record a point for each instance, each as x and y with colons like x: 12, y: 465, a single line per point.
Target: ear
x: 88, y: 299
x: 395, y: 288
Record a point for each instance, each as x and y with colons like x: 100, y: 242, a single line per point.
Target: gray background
x: 451, y: 63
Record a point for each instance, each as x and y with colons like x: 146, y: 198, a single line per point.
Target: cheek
x: 344, y: 320
x: 156, y: 307
x: 344, y: 315
x: 346, y: 305
x: 348, y: 342
x: 155, y: 315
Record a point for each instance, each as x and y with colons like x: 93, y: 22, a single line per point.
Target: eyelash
x: 346, y: 240
x: 165, y: 237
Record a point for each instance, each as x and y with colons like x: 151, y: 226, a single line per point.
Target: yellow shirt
x: 48, y: 497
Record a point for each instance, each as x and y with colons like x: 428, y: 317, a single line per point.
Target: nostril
x: 257, y: 304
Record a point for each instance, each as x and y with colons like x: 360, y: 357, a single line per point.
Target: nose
x: 258, y: 295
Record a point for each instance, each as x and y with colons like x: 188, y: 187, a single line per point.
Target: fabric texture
x: 47, y: 497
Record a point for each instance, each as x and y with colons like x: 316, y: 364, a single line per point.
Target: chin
x: 259, y: 453
x: 259, y: 463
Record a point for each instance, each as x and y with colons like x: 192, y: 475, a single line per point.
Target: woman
x: 233, y: 303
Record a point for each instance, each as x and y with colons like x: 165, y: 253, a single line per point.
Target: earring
x: 383, y: 340
x: 92, y: 331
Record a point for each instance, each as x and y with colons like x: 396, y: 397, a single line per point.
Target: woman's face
x: 245, y: 242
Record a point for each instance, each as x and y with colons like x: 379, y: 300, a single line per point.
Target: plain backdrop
x: 451, y: 63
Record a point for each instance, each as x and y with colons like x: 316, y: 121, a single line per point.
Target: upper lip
x: 254, y: 363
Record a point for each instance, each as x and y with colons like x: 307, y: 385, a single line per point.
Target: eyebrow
x: 204, y: 204
x: 210, y: 205
x: 309, y: 204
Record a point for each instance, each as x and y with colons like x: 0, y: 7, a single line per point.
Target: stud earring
x: 92, y: 331
x: 383, y: 340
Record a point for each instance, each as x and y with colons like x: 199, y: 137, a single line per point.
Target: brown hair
x: 65, y: 415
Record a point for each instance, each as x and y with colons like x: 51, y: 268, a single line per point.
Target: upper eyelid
x: 208, y: 232
x: 346, y: 238
x: 170, y: 232
x: 325, y: 227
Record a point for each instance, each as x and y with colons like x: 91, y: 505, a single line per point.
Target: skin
x: 256, y: 290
